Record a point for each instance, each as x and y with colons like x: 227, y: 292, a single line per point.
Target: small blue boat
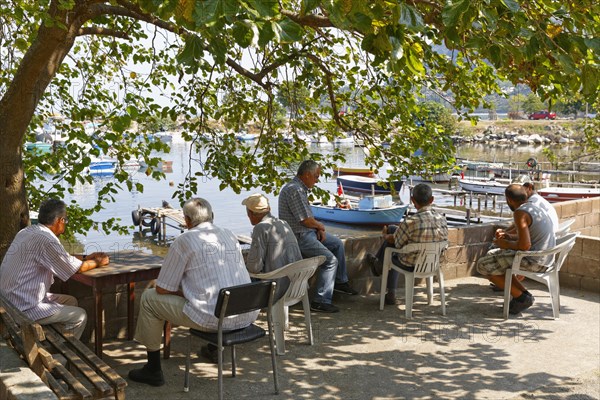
x: 371, y: 210
x: 364, y: 184
x: 102, y: 167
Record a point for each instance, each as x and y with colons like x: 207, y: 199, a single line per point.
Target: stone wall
x: 581, y: 269
x: 586, y: 213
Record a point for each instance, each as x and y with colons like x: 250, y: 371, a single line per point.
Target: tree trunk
x: 17, y: 106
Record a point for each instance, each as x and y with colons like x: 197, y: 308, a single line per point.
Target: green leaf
x: 512, y: 5
x: 207, y: 12
x: 495, y: 56
x: 410, y: 17
x: 266, y: 34
x: 290, y: 31
x: 452, y: 15
x: 265, y: 8
x: 192, y: 51
x: 242, y: 34
x: 363, y: 22
x: 307, y: 6
x: 567, y: 63
x: 397, y: 49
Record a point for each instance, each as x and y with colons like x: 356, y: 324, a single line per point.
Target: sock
x: 523, y: 296
x: 153, y: 361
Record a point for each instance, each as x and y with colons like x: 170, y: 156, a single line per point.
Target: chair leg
x: 442, y: 291
x: 306, y: 306
x: 507, y: 285
x: 186, y: 382
x: 233, y: 362
x: 273, y: 356
x: 429, y: 290
x: 554, y: 290
x: 220, y: 368
x: 384, y: 276
x: 409, y: 285
x: 278, y: 326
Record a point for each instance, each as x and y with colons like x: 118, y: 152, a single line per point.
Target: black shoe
x: 143, y: 375
x: 210, y: 353
x: 323, y: 307
x: 374, y: 264
x: 516, y: 306
x: 344, y: 288
x: 390, y: 299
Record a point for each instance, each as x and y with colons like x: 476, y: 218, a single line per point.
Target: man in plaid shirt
x: 424, y: 226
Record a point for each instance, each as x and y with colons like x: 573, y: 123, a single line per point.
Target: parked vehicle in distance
x: 542, y: 115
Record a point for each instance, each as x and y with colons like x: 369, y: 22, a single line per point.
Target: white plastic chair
x: 427, y: 266
x: 564, y: 227
x: 549, y: 277
x: 298, y: 273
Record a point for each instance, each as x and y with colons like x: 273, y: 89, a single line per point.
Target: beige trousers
x: 70, y: 318
x: 155, y: 309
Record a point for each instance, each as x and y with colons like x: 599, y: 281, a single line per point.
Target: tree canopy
x: 123, y: 64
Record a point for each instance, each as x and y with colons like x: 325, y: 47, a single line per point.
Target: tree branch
x: 97, y: 30
x: 330, y: 91
x: 314, y: 21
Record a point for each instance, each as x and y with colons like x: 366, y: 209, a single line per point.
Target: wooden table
x: 124, y: 268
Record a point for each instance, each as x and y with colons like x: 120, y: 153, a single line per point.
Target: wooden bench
x: 85, y: 375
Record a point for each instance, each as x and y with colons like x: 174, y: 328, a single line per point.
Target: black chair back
x: 241, y: 299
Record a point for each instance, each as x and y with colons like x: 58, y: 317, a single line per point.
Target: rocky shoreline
x: 496, y: 134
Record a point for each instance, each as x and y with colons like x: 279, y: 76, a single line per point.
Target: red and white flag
x: 340, y: 190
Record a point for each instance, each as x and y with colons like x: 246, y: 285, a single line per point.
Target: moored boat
x: 38, y: 147
x: 364, y: 171
x: 556, y: 194
x: 364, y: 184
x: 102, y: 167
x: 370, y: 210
x: 482, y: 186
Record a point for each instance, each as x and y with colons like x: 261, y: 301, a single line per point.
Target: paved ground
x: 364, y: 353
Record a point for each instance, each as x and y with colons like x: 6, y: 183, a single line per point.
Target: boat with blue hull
x: 364, y: 184
x: 370, y: 210
x: 102, y: 167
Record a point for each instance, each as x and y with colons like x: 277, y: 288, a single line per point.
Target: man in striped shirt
x: 32, y: 261
x: 200, y: 262
x: 295, y: 210
x: 424, y: 226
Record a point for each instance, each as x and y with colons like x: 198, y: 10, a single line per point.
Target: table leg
x: 130, y: 309
x: 167, y: 346
x: 99, y: 323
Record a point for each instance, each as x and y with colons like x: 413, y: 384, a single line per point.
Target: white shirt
x: 33, y: 259
x: 201, y: 262
x: 545, y: 205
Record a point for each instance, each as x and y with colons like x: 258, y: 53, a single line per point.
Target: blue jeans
x: 333, y: 270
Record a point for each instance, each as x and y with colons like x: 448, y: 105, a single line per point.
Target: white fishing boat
x: 556, y: 194
x: 488, y: 186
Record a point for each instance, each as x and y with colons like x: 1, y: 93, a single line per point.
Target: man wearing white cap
x: 274, y: 245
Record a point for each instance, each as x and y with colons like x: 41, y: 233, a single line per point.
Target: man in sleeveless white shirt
x: 32, y: 261
x: 534, y: 231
